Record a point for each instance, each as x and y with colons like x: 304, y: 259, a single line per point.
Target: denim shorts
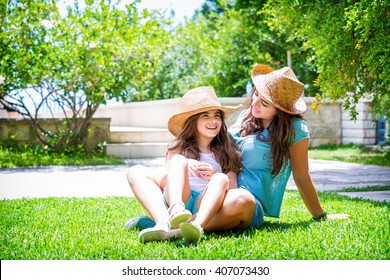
x: 191, y: 203
x: 258, y: 217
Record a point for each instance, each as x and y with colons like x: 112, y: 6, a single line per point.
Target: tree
x: 93, y: 54
x: 209, y: 50
x: 223, y: 41
x: 348, y: 43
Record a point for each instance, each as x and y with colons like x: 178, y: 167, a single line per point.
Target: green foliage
x: 220, y: 46
x: 75, y: 62
x: 339, y: 47
x: 348, y: 43
x: 12, y: 155
x: 218, y: 49
x: 92, y: 229
x: 101, y: 52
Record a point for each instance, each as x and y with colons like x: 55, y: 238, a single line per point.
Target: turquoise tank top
x: 257, y: 166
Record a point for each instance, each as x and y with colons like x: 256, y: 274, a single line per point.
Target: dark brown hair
x: 220, y: 146
x: 281, y: 133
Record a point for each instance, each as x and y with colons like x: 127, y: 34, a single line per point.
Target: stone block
x: 99, y: 131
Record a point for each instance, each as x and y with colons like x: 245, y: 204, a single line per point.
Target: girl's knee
x: 220, y: 179
x: 244, y: 205
x: 245, y: 199
x: 135, y: 170
x: 178, y: 160
x: 138, y: 173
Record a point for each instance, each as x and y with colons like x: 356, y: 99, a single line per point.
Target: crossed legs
x: 220, y: 208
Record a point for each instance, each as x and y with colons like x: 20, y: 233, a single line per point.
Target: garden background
x: 101, y: 52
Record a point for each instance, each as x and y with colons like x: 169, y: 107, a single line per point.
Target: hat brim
x: 259, y: 70
x: 176, y: 122
x: 300, y: 106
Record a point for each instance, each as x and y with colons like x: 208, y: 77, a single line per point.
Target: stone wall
x: 21, y: 129
x: 361, y: 131
x: 325, y: 127
x: 330, y: 125
x: 149, y: 114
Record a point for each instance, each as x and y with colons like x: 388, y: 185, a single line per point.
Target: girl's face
x: 262, y: 109
x: 209, y: 123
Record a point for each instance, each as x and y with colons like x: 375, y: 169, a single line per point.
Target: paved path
x: 102, y: 181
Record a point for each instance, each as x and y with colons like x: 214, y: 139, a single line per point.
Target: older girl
x: 273, y: 140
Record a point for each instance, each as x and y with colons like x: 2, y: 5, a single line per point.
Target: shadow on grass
x: 248, y: 233
x: 290, y: 221
x: 272, y: 226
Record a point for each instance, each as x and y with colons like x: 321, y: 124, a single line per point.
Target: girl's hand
x: 204, y: 170
x: 192, y: 167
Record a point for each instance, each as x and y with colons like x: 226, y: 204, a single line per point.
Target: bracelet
x: 320, y: 218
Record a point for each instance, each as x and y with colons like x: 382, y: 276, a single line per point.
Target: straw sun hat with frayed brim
x: 279, y: 87
x: 195, y: 101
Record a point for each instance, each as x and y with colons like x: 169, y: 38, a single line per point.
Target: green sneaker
x: 140, y: 222
x: 191, y: 231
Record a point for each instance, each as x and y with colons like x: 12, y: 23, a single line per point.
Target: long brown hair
x: 281, y: 133
x: 220, y: 146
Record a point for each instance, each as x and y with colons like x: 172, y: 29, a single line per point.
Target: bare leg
x: 220, y: 209
x: 236, y: 211
x: 178, y: 187
x: 178, y: 190
x: 144, y: 183
x: 212, y: 198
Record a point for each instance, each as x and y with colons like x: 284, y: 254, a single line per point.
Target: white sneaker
x: 178, y: 215
x: 191, y: 231
x: 159, y: 232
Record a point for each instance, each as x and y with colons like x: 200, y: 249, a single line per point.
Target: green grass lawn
x: 92, y: 229
x: 352, y: 153
x: 29, y: 155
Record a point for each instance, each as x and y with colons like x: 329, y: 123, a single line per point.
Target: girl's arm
x: 300, y: 170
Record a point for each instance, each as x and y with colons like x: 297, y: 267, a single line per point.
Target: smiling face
x: 262, y: 109
x: 209, y: 123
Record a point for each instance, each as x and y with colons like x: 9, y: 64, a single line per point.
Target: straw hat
x: 197, y: 100
x: 279, y: 87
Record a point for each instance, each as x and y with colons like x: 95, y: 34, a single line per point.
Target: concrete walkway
x: 103, y: 181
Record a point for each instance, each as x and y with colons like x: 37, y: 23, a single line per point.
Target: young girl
x: 201, y: 165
